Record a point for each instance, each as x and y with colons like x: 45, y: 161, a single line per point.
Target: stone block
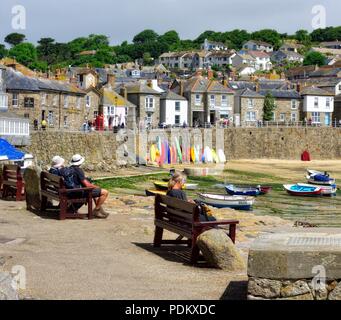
x: 264, y: 288
x: 219, y: 250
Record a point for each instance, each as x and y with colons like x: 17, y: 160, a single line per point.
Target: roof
x: 265, y: 84
x: 260, y: 43
x: 201, y: 85
x: 331, y: 43
x: 258, y: 54
x: 140, y: 88
x: 327, y: 51
x: 221, y: 53
x: 314, y: 91
x: 17, y: 81
x: 326, y: 72
x: 239, y: 85
x: 110, y: 97
x: 281, y: 94
x: 247, y: 93
x: 170, y: 95
x: 288, y: 54
x: 305, y: 70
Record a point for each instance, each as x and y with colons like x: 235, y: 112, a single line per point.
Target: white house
x: 318, y: 105
x: 173, y: 109
x: 258, y: 46
x: 262, y: 60
x: 212, y: 45
x: 219, y: 58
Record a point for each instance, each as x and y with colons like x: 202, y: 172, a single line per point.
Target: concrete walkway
x: 101, y: 259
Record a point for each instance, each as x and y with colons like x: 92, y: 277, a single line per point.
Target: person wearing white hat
x: 100, y: 195
x: 56, y: 165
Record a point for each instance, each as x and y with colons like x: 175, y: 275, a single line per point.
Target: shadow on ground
x: 173, y: 253
x: 236, y: 290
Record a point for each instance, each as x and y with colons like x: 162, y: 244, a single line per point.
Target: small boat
x: 242, y: 191
x: 320, y: 179
x: 299, y: 190
x: 163, y: 185
x: 152, y: 193
x: 224, y: 201
x: 325, y: 190
x: 264, y: 189
x: 313, y: 172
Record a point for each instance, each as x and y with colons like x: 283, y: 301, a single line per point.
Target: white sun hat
x: 77, y: 160
x: 57, y: 162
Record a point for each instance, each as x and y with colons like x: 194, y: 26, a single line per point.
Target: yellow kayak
x: 163, y: 185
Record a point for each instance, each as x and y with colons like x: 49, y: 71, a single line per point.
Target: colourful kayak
x: 151, y: 193
x: 163, y: 185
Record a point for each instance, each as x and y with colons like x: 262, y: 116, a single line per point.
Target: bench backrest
x: 51, y: 183
x: 11, y: 172
x: 175, y: 210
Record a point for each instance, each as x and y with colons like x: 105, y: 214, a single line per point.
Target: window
x: 55, y: 100
x: 177, y: 106
x: 250, y: 103
x: 316, y: 102
x: 65, y: 121
x: 29, y: 102
x: 88, y: 101
x: 293, y: 104
x: 15, y: 100
x: 282, y: 117
x: 3, y: 101
x: 212, y: 100
x: 66, y: 101
x: 224, y: 101
x: 43, y: 98
x: 149, y: 102
x: 273, y: 116
x: 327, y: 103
x: 197, y: 99
x: 250, y: 116
x: 316, y: 117
x: 177, y: 119
x: 26, y: 115
x: 50, y: 119
x: 95, y: 114
x: 79, y: 100
x: 293, y: 116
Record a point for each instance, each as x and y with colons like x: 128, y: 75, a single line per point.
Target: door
x: 327, y: 119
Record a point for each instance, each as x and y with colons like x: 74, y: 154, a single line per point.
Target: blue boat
x: 9, y: 153
x: 242, y: 191
x: 303, y: 190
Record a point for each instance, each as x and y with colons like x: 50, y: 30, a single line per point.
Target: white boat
x: 225, y: 201
x: 312, y: 180
x: 313, y: 172
x: 325, y: 190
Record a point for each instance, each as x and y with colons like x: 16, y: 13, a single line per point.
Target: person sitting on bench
x: 175, y: 190
x: 57, y: 166
x: 80, y: 180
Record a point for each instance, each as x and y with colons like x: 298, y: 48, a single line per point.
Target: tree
x: 268, y: 35
x: 24, y: 53
x: 314, y: 58
x: 303, y: 36
x: 15, y: 38
x: 269, y: 107
x: 145, y: 36
x: 147, y: 59
x: 3, y: 51
x: 236, y: 38
x: 46, y: 50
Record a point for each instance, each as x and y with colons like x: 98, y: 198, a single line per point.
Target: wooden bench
x: 52, y: 187
x: 182, y: 218
x: 12, y: 182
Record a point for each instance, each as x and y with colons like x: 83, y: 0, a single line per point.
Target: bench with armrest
x: 183, y: 218
x: 12, y: 182
x: 52, y: 187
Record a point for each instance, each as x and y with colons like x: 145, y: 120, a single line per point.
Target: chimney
x: 123, y: 92
x: 150, y: 84
x: 257, y: 85
x: 225, y: 81
x: 181, y: 93
x: 73, y: 81
x: 111, y: 80
x: 210, y: 74
x: 298, y: 87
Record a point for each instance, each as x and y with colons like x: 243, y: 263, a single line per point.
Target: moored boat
x: 163, y: 185
x: 320, y: 179
x: 242, y: 191
x: 300, y: 190
x: 325, y: 190
x: 152, y: 193
x: 264, y: 189
x: 225, y: 201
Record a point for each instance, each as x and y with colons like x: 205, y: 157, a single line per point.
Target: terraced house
x: 208, y: 100
x: 61, y: 104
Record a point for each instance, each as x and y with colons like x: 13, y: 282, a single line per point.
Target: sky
x: 65, y: 20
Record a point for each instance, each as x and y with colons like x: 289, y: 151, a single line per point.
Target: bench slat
x: 174, y: 202
x: 174, y: 228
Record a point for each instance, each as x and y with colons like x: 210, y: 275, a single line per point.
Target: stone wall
x: 99, y: 149
x: 104, y: 151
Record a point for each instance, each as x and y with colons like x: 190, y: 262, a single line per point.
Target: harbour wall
x: 106, y: 151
